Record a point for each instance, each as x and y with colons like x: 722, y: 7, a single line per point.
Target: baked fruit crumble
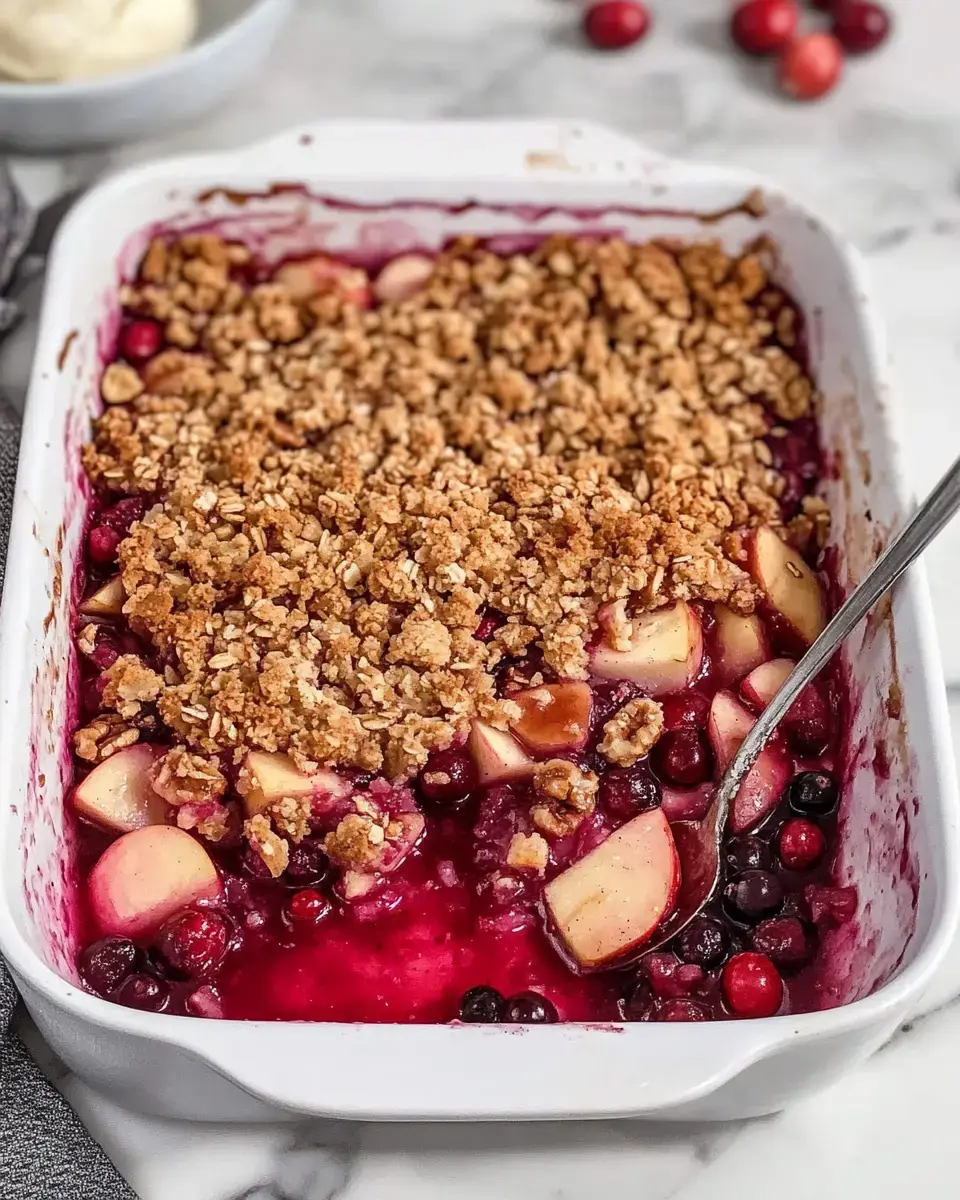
x: 422, y: 607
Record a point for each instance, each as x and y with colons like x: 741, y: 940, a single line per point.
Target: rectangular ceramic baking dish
x: 389, y: 187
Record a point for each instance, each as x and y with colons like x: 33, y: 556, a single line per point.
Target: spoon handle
x: 909, y: 543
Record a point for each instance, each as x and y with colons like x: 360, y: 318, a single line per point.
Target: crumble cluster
x: 341, y: 494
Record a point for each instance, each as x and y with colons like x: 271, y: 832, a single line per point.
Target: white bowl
x: 234, y: 38
x: 393, y: 186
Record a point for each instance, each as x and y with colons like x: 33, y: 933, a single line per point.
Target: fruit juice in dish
x: 422, y: 612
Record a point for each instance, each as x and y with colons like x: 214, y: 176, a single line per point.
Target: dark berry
x: 755, y: 895
x: 764, y: 26
x: 107, y: 963
x: 529, y: 1008
x: 613, y: 24
x: 102, y: 543
x: 204, y: 1002
x: 140, y: 340
x: 448, y: 777
x: 143, y: 992
x: 801, y: 844
x: 627, y: 791
x: 860, y: 26
x: 482, y: 1006
x: 308, y: 862
x: 306, y: 909
x: 680, y: 1010
x: 682, y: 756
x: 691, y: 711
x: 784, y: 941
x: 490, y: 622
x: 752, y: 986
x: 809, y: 722
x: 746, y: 853
x: 636, y: 1001
x: 254, y: 865
x: 812, y: 794
x: 704, y: 942
x: 194, y: 941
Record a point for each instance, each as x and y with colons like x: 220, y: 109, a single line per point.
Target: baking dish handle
x: 461, y: 150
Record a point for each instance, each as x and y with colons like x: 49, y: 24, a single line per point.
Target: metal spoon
x: 698, y: 843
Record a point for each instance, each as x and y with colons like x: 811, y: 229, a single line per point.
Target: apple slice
x: 497, y: 756
x: 305, y: 278
x: 612, y: 900
x: 402, y: 276
x: 741, y: 643
x: 118, y: 793
x: 148, y: 875
x: 265, y: 778
x: 556, y: 716
x: 665, y: 652
x: 763, y: 682
x: 788, y: 583
x: 107, y: 601
x: 728, y: 724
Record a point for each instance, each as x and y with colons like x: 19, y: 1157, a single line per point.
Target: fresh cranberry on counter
x: 614, y: 24
x: 752, y: 986
x: 764, y: 26
x: 811, y: 66
x: 860, y: 26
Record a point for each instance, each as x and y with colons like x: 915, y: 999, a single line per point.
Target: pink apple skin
x: 665, y: 655
x: 146, y: 876
x: 742, y: 643
x: 791, y: 588
x: 760, y: 792
x: 556, y: 717
x: 763, y: 683
x: 497, y: 755
x: 118, y: 794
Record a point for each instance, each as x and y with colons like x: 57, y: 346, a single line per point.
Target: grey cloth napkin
x: 45, y: 1152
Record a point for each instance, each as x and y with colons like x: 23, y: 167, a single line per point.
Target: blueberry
x: 785, y: 941
x: 747, y: 853
x: 626, y: 791
x: 754, y: 895
x: 704, y: 942
x: 143, y: 992
x: 529, y: 1008
x: 636, y: 1001
x: 812, y: 794
x: 107, y: 963
x: 482, y: 1006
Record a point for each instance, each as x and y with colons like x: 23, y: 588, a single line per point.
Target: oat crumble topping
x: 338, y: 495
x: 565, y: 795
x: 632, y: 732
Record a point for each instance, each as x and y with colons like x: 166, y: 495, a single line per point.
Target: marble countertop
x: 881, y: 159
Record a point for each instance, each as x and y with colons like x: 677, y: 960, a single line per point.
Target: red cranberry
x: 667, y: 976
x: 830, y: 905
x: 808, y: 722
x: 140, y: 340
x: 194, y: 941
x: 784, y: 941
x: 682, y: 756
x: 704, y: 942
x: 482, y: 1006
x: 747, y: 853
x: 680, y: 1010
x: 308, y: 862
x: 613, y: 24
x: 121, y: 516
x: 306, y: 909
x: 860, y: 26
x: 626, y: 791
x: 529, y: 1008
x: 490, y: 622
x: 752, y: 986
x: 102, y: 544
x: 107, y: 963
x: 691, y: 709
x: 143, y: 992
x: 448, y: 777
x: 801, y: 844
x: 755, y: 894
x: 812, y: 794
x: 763, y: 26
x: 811, y: 66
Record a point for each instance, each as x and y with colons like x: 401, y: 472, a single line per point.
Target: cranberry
x: 104, y: 655
x: 755, y: 894
x: 808, y: 722
x: 801, y: 844
x: 682, y: 756
x: 140, y: 340
x: 306, y: 909
x: 663, y: 969
x: 308, y: 862
x: 812, y: 794
x: 490, y: 622
x: 123, y: 514
x: 143, y: 992
x: 830, y: 905
x: 691, y: 709
x: 626, y: 791
x: 637, y: 1001
x: 448, y: 777
x: 107, y: 963
x: 811, y: 66
x: 860, y: 26
x: 704, y: 942
x: 784, y: 941
x: 680, y: 1010
x: 747, y: 853
x: 102, y: 544
x: 763, y: 26
x: 752, y: 986
x: 529, y: 1008
x: 194, y: 941
x: 482, y: 1006
x: 613, y: 24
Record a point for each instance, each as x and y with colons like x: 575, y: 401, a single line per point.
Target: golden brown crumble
x: 565, y: 795
x: 128, y: 683
x: 340, y: 493
x: 273, y: 849
x: 105, y: 735
x: 528, y: 852
x: 632, y: 732
x: 291, y: 816
x: 184, y: 778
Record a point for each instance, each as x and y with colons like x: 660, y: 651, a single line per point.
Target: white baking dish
x: 416, y: 184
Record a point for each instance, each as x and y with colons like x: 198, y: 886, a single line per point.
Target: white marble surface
x: 881, y: 158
